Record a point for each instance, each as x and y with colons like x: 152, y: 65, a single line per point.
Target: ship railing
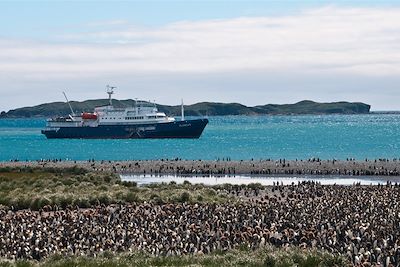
x: 52, y: 124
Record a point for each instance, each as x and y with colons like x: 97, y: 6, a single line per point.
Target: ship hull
x: 177, y: 129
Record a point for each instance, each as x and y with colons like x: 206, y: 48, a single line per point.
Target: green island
x: 198, y: 109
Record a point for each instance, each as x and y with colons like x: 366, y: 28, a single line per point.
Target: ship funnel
x: 182, y: 112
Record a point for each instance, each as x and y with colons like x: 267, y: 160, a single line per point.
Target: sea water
x: 260, y: 179
x: 234, y: 137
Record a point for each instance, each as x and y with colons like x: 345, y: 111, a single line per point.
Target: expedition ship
x: 143, y: 120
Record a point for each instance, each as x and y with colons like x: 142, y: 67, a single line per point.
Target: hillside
x: 198, y: 109
x: 310, y: 107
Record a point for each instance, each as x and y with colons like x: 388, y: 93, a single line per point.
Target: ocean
x: 259, y: 179
x: 235, y: 137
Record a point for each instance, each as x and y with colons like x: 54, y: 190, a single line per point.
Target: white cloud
x: 363, y: 41
x: 324, y: 41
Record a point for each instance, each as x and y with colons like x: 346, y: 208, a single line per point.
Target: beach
x: 225, y: 166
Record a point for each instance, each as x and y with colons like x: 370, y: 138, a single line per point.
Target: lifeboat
x: 89, y: 116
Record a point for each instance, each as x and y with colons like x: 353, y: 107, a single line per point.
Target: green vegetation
x: 35, y: 188
x: 311, y: 107
x: 204, y: 108
x: 268, y: 257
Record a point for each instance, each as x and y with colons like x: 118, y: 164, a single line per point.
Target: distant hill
x: 311, y: 107
x: 199, y: 109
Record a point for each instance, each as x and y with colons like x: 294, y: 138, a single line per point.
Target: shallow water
x: 237, y: 137
x: 242, y: 179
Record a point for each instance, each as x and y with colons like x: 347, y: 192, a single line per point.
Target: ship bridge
x: 141, y: 112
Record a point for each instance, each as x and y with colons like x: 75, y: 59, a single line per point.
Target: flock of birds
x: 225, y: 166
x: 360, y: 222
x: 315, y: 166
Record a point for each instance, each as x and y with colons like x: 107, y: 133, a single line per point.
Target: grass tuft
x: 267, y: 257
x: 33, y: 188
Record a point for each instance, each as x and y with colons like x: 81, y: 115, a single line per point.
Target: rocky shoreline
x: 349, y: 167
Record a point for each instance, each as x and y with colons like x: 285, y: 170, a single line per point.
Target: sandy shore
x: 376, y: 167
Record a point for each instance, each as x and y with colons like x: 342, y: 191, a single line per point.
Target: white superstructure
x: 141, y: 113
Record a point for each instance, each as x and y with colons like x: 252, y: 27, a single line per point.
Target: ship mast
x: 182, y: 112
x: 66, y: 98
x: 110, y: 91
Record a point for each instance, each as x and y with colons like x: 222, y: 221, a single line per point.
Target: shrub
x: 75, y: 170
x: 156, y: 199
x: 35, y: 204
x: 103, y: 188
x: 44, y: 202
x: 68, y: 182
x: 6, y: 201
x: 104, y: 199
x: 131, y: 197
x: 94, y: 201
x: 82, y: 203
x: 5, y: 169
x: 23, y: 263
x: 184, y: 197
x: 107, y: 179
x: 129, y: 183
x: 63, y: 202
x: 20, y: 203
x: 210, y: 192
x: 269, y: 261
x: 255, y: 186
x: 310, y: 261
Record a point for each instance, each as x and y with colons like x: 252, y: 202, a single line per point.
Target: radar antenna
x: 66, y: 98
x: 110, y: 92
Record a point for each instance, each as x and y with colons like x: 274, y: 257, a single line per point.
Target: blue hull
x: 177, y: 129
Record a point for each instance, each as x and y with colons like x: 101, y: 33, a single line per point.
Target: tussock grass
x: 35, y: 188
x: 268, y: 257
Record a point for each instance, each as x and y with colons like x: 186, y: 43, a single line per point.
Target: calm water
x: 242, y: 179
x: 237, y: 137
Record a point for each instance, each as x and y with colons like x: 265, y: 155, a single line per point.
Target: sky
x: 251, y: 52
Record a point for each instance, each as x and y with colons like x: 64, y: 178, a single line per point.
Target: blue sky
x: 42, y: 19
x: 253, y: 52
